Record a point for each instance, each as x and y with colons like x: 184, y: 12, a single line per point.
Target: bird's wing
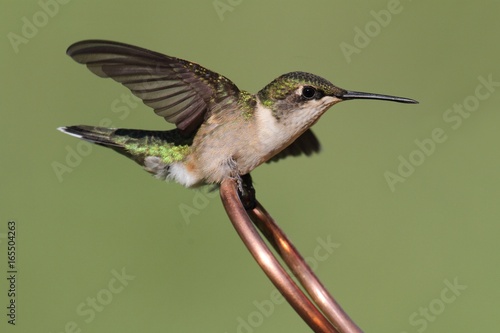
x: 306, y: 144
x: 178, y: 90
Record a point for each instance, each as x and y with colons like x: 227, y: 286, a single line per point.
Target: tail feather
x: 135, y: 144
x: 97, y: 135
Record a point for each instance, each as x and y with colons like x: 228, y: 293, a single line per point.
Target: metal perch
x: 322, y: 313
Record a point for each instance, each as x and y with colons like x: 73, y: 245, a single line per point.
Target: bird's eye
x: 308, y: 92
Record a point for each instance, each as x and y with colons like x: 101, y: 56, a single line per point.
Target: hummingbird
x: 221, y: 131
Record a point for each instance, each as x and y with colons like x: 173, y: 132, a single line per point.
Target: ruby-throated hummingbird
x: 222, y: 131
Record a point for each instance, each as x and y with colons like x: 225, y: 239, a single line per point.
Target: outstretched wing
x: 180, y: 91
x: 305, y: 144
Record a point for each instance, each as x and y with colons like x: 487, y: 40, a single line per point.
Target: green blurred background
x: 84, y: 216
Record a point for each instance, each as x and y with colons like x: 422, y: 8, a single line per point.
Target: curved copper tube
x: 269, y: 264
x: 302, y: 271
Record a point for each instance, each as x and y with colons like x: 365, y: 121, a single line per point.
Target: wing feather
x: 180, y: 91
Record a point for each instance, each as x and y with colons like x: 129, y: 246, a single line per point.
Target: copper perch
x: 322, y: 313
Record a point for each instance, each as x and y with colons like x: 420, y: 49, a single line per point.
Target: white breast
x: 269, y: 131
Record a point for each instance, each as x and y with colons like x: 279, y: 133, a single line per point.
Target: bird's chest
x: 237, y: 147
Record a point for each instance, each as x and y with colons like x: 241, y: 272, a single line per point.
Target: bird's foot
x: 246, y: 191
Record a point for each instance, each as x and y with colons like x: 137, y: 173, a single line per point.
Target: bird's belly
x: 214, y: 169
x: 210, y: 168
x: 229, y: 159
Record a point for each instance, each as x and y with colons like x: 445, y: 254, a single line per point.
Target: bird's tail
x: 98, y: 135
x: 135, y: 144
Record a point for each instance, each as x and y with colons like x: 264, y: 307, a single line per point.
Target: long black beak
x: 363, y: 95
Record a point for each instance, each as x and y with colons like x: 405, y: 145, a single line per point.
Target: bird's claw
x: 246, y: 191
